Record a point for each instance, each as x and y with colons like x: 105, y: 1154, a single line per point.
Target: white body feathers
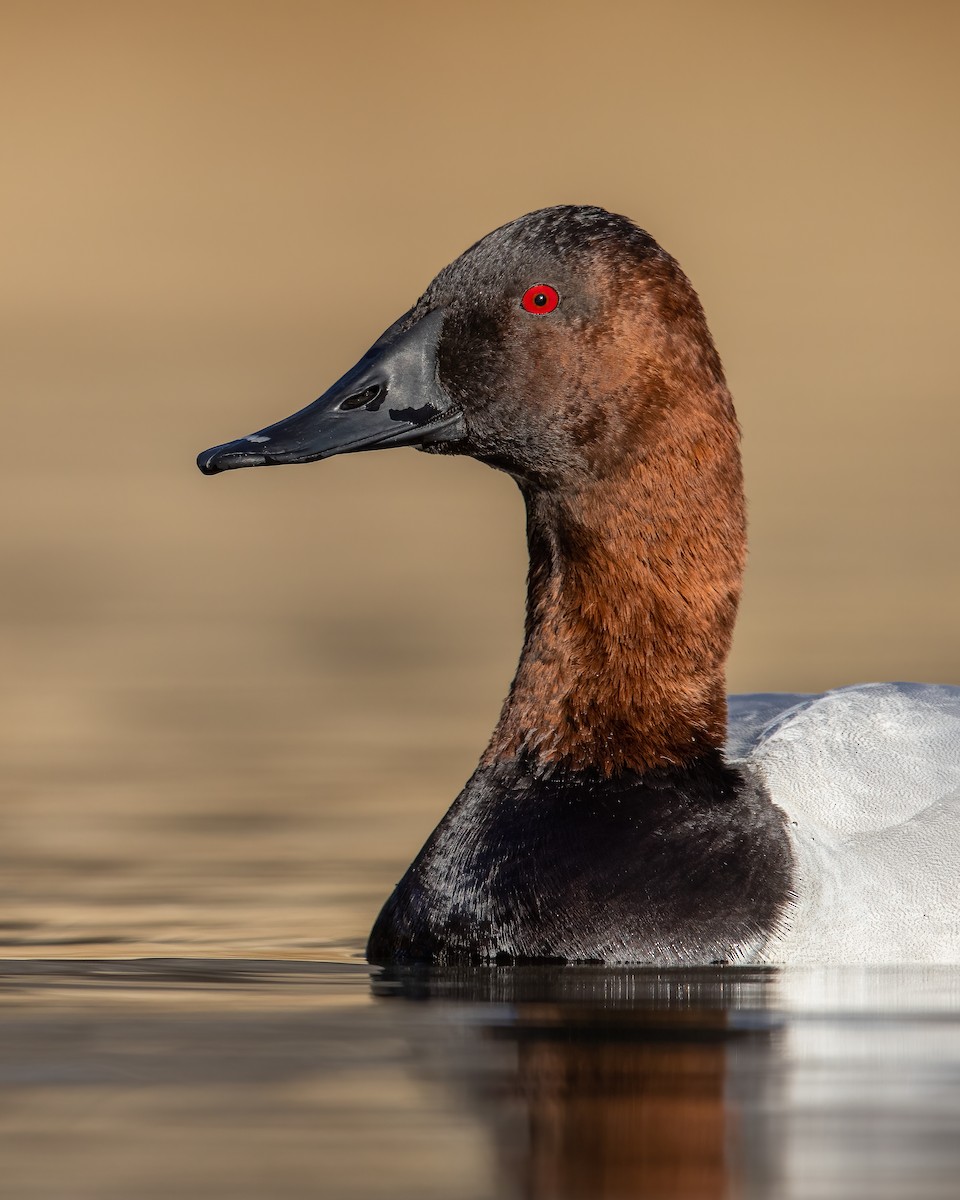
x: 869, y: 779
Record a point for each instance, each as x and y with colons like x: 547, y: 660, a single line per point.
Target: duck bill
x: 390, y: 398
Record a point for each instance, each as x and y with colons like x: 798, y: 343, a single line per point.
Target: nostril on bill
x: 370, y: 398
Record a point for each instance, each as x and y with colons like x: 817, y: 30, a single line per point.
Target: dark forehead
x: 565, y: 238
x: 568, y: 230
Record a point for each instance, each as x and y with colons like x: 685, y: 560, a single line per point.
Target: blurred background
x: 233, y: 708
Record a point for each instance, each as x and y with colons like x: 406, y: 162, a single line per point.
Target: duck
x: 625, y: 810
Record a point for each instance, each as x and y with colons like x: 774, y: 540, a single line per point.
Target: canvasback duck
x: 617, y: 815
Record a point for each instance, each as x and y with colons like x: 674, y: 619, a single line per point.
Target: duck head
x: 550, y: 349
x: 569, y: 350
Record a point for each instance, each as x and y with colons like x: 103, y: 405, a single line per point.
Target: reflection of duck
x: 618, y: 1083
x: 628, y: 1115
x: 568, y: 349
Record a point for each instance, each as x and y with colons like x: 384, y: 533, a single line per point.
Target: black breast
x: 683, y: 865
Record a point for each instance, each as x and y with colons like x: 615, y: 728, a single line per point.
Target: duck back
x: 868, y: 778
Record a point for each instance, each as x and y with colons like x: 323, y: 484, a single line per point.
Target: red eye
x: 541, y: 298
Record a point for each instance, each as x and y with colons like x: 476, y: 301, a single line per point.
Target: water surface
x: 250, y: 1078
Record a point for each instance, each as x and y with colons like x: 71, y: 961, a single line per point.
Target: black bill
x: 390, y: 398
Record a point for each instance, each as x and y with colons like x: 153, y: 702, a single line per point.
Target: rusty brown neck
x: 633, y: 588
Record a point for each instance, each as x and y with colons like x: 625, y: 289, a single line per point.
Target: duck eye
x: 541, y: 298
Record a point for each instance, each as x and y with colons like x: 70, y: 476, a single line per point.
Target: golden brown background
x: 232, y: 708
